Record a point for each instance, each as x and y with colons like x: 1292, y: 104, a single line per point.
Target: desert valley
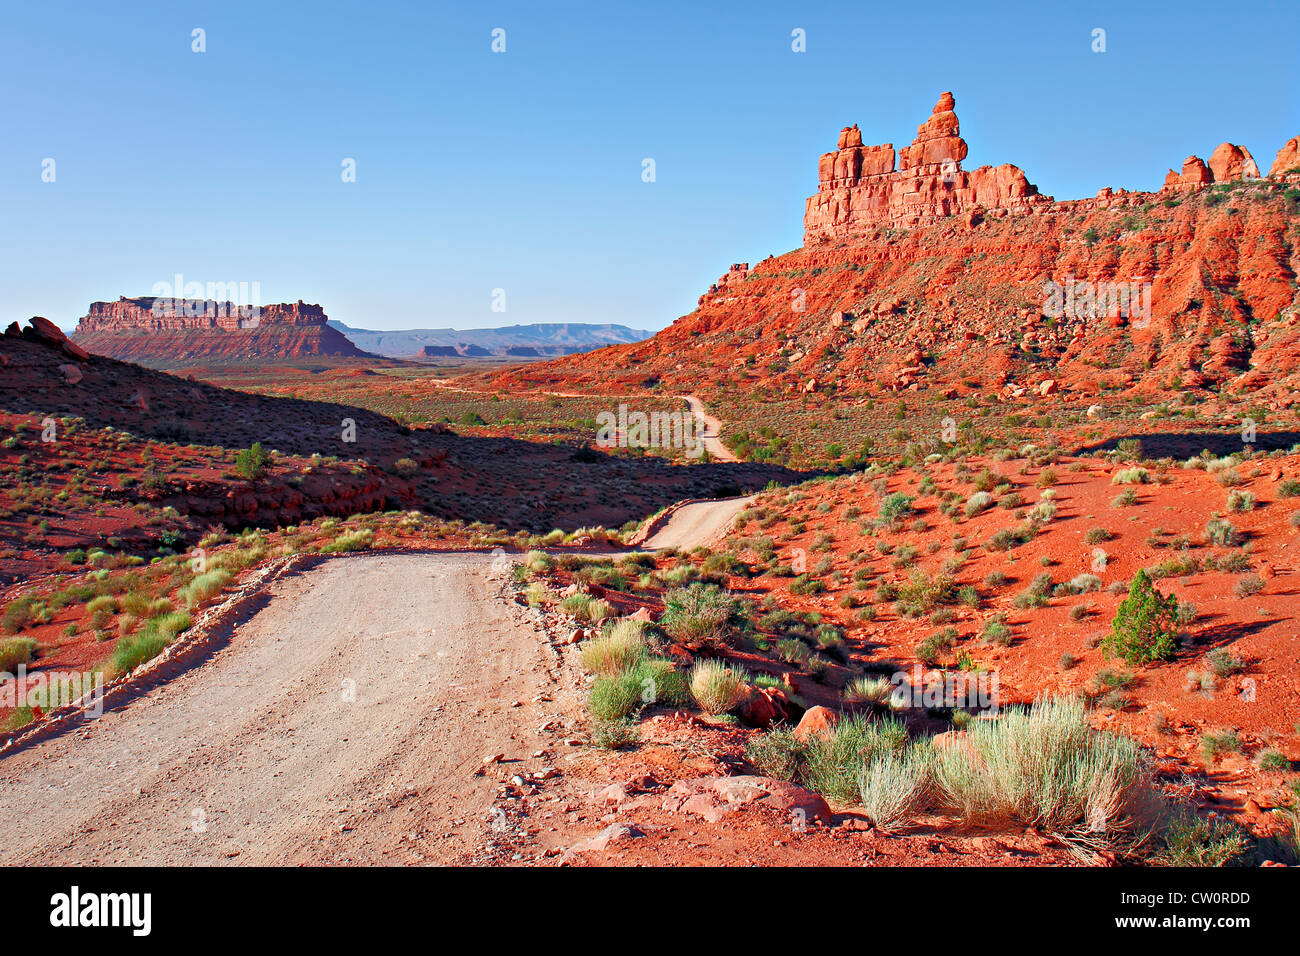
x: 964, y: 534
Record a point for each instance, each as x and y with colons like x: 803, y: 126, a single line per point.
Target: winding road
x: 345, y: 721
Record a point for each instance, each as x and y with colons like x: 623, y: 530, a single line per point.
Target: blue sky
x: 522, y: 170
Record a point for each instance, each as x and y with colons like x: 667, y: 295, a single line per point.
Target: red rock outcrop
x: 859, y: 190
x: 1232, y: 163
x: 1195, y: 174
x: 1288, y: 157
x: 157, y: 331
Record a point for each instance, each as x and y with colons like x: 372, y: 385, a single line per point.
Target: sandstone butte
x: 917, y: 273
x: 185, y: 330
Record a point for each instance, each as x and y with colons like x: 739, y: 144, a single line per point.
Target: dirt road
x: 700, y: 522
x: 343, y: 722
x: 712, y: 429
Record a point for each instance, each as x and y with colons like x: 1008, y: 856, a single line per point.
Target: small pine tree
x: 251, y: 463
x: 1145, y: 628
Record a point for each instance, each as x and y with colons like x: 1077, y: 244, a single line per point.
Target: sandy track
x: 259, y: 757
x: 712, y: 429
x: 697, y: 523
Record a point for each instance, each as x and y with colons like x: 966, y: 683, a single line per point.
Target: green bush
x: 1145, y: 627
x: 895, y: 506
x: 134, y: 649
x: 203, y: 586
x: 835, y: 760
x: 252, y: 463
x: 894, y: 787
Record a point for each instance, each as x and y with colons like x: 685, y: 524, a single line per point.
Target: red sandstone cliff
x: 927, y: 275
x: 161, y: 332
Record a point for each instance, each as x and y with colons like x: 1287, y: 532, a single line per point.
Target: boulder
x: 764, y: 706
x: 815, y: 722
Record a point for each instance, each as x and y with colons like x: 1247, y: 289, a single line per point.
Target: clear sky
x: 522, y: 170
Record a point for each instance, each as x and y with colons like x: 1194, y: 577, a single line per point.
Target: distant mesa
x: 539, y: 340
x: 149, y: 330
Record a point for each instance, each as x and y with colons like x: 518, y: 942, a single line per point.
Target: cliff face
x: 926, y: 276
x: 160, y: 332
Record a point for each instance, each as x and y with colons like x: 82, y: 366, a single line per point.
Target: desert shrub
x: 1248, y: 585
x: 23, y: 612
x: 697, y: 614
x: 1046, y: 478
x: 777, y: 754
x: 1217, y: 743
x: 537, y: 594
x: 1097, y: 535
x: 619, y: 648
x: 894, y: 787
x: 1290, y: 488
x: 835, y: 760
x: 1131, y: 476
x: 1125, y: 499
x: 1222, y: 533
x: 1047, y: 768
x: 1240, y: 501
x: 930, y: 650
x: 357, y: 540
x: 1082, y: 584
x: 923, y: 592
x: 1145, y: 625
x: 100, y: 609
x: 251, y: 463
x: 134, y: 649
x: 1192, y: 840
x: 203, y: 586
x: 614, y: 734
x: 995, y: 631
x: 1036, y: 595
x: 1272, y: 760
x: 717, y: 687
x: 1224, y: 663
x: 868, y: 691
x: 895, y: 506
x: 979, y: 501
x: 803, y: 584
x: 15, y: 651
x: 615, y: 696
x: 661, y: 682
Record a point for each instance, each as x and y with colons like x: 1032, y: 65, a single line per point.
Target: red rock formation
x: 1195, y: 174
x: 859, y: 190
x: 1232, y: 163
x: 151, y: 330
x: 1288, y: 157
